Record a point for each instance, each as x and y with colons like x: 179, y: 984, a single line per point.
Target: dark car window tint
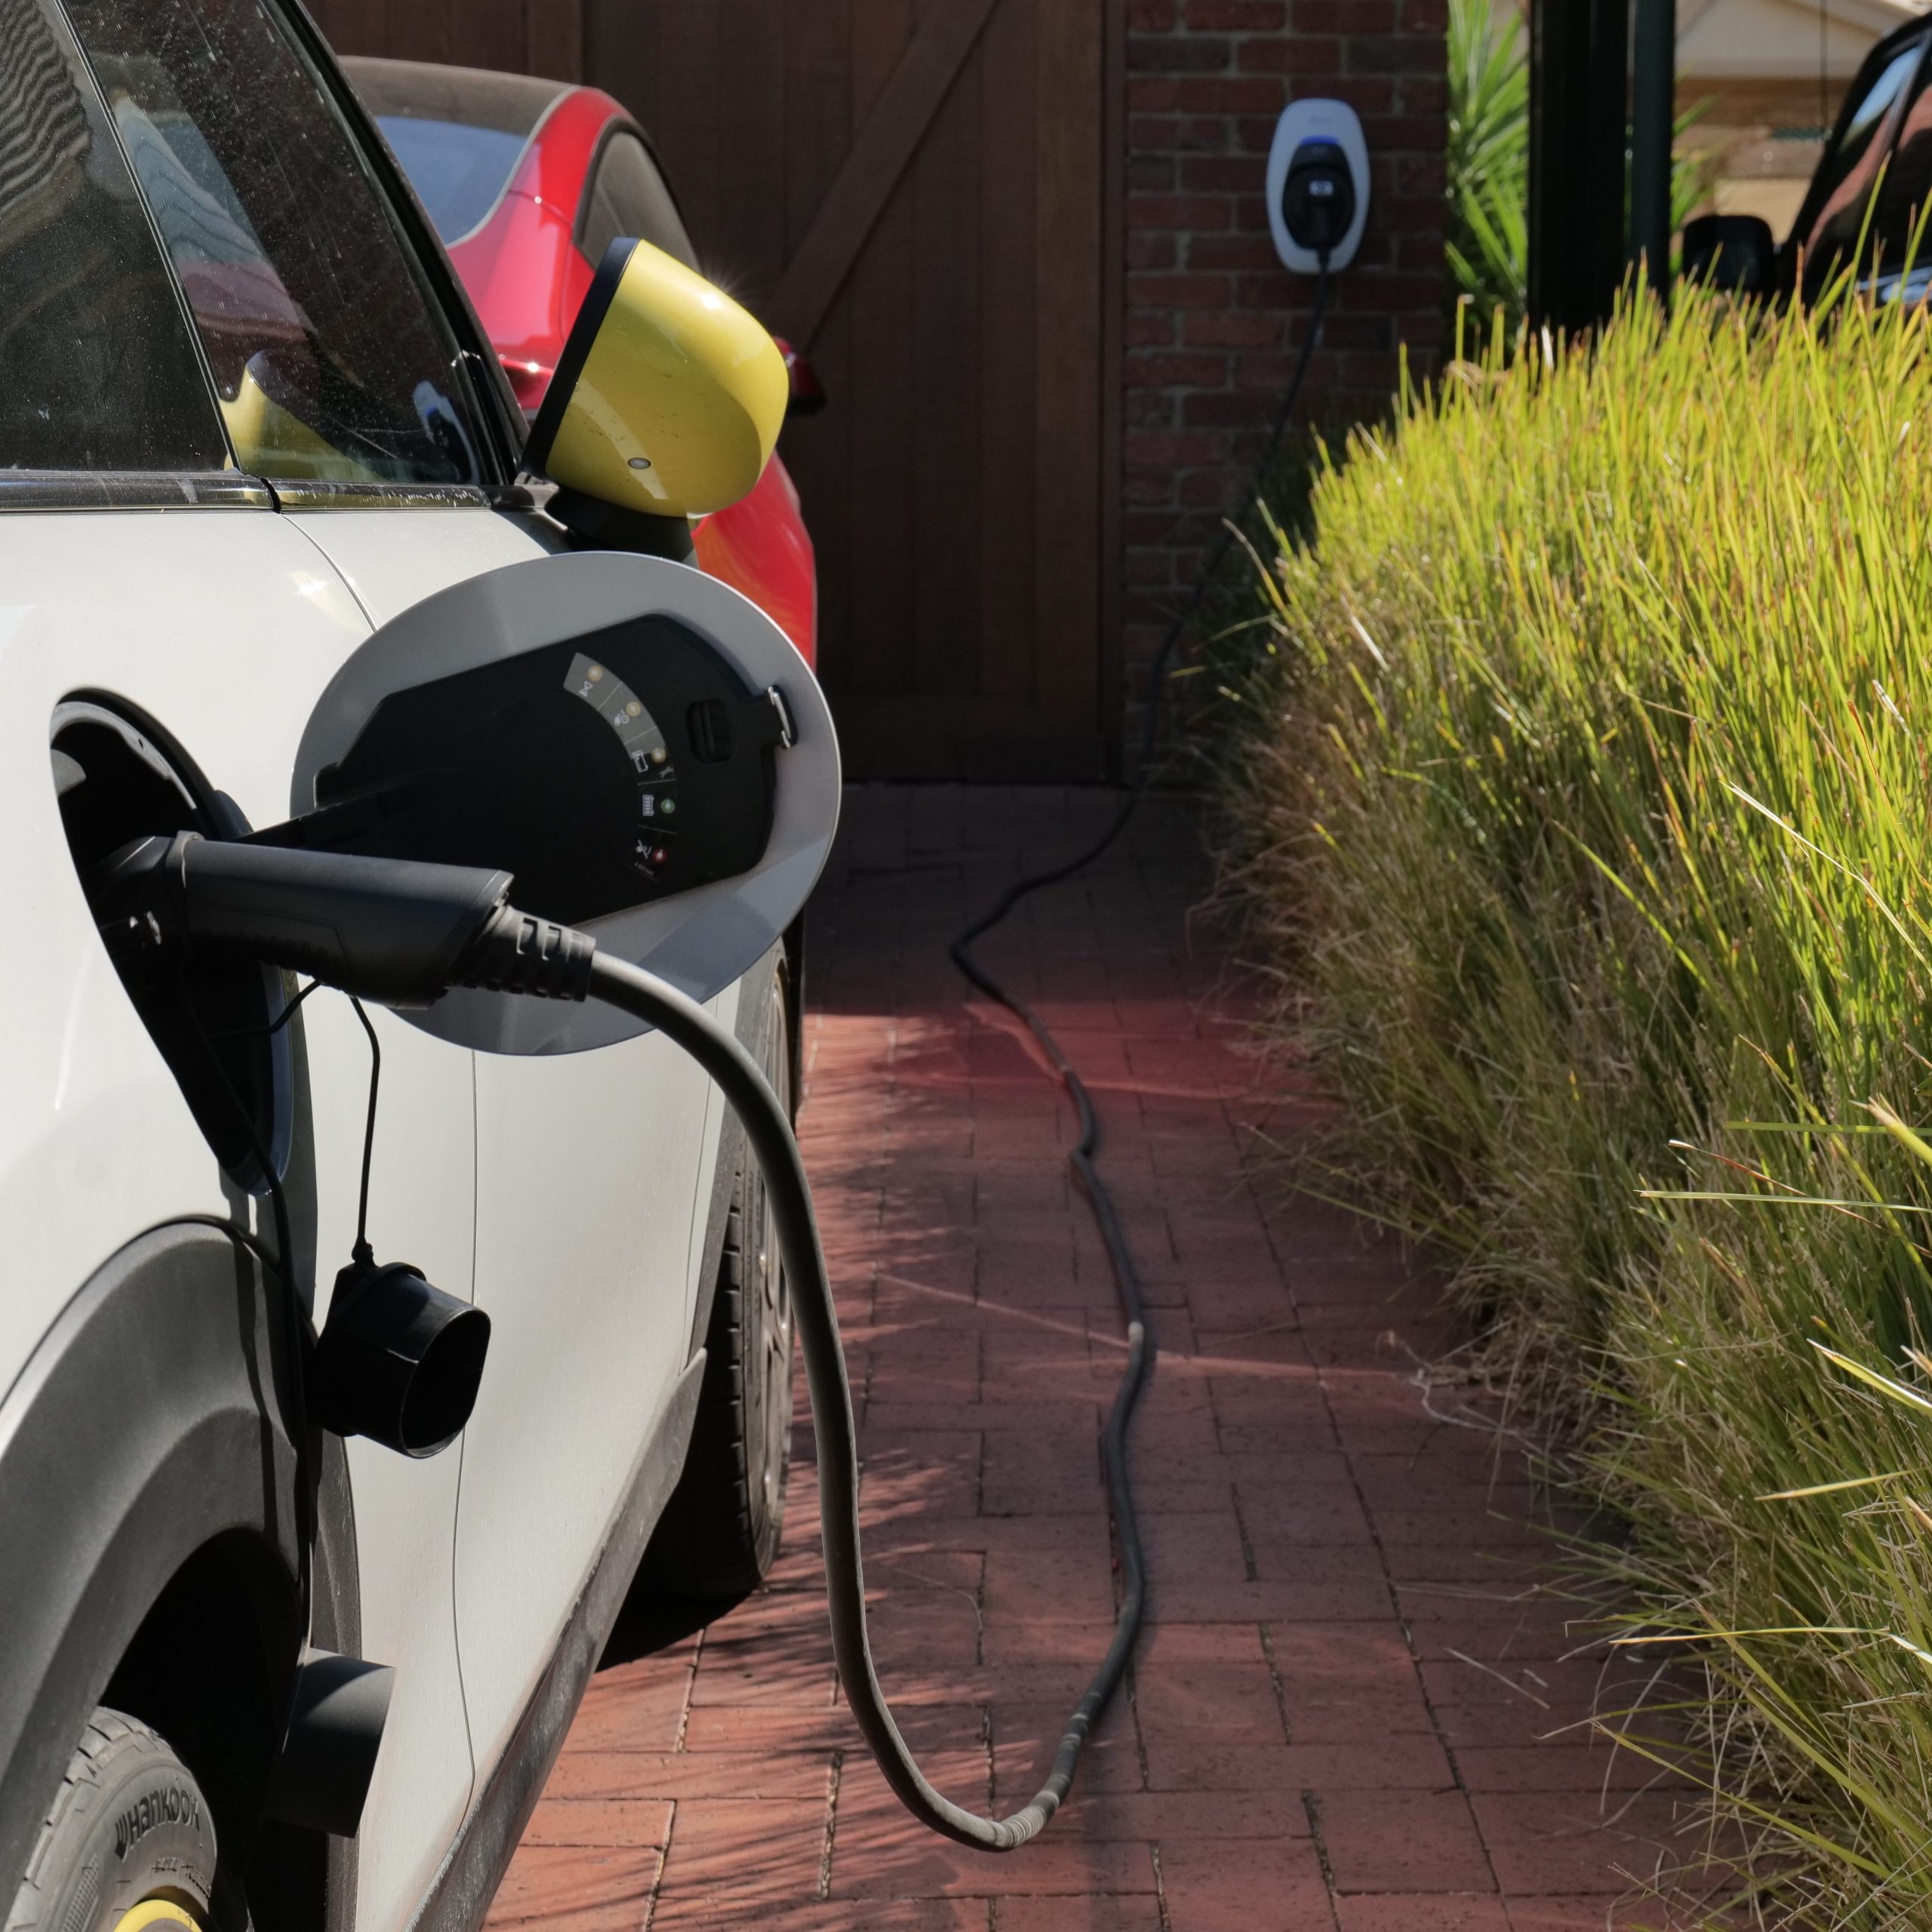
x: 97, y: 368
x: 627, y: 197
x: 1846, y: 176
x: 330, y: 361
x: 458, y: 173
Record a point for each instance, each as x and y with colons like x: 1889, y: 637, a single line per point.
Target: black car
x: 1865, y: 203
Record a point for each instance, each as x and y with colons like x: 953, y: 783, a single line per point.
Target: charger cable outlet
x: 1317, y: 186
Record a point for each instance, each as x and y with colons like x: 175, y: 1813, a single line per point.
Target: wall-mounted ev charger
x: 1317, y: 185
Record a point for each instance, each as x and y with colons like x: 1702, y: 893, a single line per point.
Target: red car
x: 528, y: 181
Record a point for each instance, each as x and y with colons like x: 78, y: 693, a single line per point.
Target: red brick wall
x: 1213, y: 320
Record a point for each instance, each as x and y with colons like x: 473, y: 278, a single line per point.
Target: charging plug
x: 1317, y: 186
x: 396, y: 931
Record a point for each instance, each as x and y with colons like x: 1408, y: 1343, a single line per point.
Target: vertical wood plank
x: 620, y: 52
x: 464, y: 33
x: 685, y: 127
x: 749, y: 155
x: 1111, y: 560
x: 883, y: 405
x: 817, y: 121
x: 1010, y: 515
x: 553, y: 38
x: 942, y: 645
x: 1068, y: 347
x: 819, y: 114
x: 345, y: 23
x: 475, y: 33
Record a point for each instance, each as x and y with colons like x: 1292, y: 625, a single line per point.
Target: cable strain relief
x: 516, y: 953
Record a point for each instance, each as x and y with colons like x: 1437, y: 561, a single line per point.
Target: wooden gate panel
x: 912, y: 189
x: 878, y: 312
x: 818, y: 111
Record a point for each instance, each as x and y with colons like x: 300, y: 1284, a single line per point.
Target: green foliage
x: 1486, y: 244
x: 1587, y: 804
x: 1488, y: 159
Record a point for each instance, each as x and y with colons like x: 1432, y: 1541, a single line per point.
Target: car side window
x: 1850, y: 168
x: 627, y: 196
x: 331, y: 360
x: 97, y: 368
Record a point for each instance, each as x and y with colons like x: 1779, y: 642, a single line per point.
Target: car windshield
x: 458, y: 172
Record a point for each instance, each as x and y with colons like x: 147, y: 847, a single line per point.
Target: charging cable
x: 644, y: 996
x: 1140, y: 1349
x: 280, y: 1267
x: 402, y: 934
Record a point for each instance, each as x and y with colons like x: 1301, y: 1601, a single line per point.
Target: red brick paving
x: 1358, y: 1707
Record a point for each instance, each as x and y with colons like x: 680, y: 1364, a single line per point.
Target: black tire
x: 719, y: 1533
x: 129, y: 1825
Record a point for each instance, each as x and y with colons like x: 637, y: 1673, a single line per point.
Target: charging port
x: 121, y: 776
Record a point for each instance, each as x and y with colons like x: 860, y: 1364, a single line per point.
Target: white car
x: 248, y: 422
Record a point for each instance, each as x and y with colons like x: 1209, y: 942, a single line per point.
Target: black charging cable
x: 362, y: 1251
x: 761, y: 1115
x: 962, y: 948
x: 280, y: 1265
x: 643, y: 997
x: 300, y: 1330
x: 1140, y: 1349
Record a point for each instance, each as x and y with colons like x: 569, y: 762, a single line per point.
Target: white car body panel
x: 225, y: 625
x: 392, y: 558
x: 590, y: 1170
x: 422, y: 1210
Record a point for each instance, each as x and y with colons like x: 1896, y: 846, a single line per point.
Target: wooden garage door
x: 914, y: 191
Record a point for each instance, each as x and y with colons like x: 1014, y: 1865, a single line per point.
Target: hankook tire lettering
x: 174, y: 1805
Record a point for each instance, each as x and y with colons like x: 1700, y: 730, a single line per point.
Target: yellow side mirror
x: 668, y: 398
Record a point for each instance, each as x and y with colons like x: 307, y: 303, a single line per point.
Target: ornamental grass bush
x: 1585, y: 799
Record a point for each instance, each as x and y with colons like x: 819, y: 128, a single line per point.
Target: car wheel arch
x: 146, y: 1470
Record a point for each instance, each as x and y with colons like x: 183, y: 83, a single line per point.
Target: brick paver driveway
x: 1355, y: 1710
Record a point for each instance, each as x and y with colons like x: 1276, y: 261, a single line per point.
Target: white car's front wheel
x: 128, y: 1844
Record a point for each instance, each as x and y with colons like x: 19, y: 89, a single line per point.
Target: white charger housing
x: 1320, y: 122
